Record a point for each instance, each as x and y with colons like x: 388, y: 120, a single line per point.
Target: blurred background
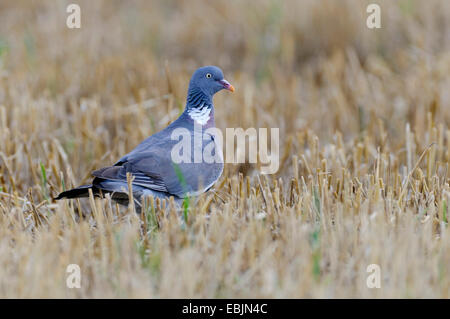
x: 296, y: 65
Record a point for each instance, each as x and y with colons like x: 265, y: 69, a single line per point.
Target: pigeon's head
x: 209, y: 79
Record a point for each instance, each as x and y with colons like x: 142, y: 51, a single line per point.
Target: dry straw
x: 365, y: 149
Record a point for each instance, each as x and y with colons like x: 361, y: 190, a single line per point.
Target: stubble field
x: 364, y: 148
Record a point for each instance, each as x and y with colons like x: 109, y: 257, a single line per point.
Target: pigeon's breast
x: 207, y: 168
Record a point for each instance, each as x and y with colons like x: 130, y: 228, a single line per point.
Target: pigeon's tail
x: 82, y: 191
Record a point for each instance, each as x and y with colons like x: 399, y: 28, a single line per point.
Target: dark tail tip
x: 82, y: 191
x: 60, y: 196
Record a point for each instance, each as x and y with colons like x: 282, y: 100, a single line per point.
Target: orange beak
x: 227, y: 85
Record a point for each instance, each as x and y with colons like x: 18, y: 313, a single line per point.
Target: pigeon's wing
x: 119, y: 173
x: 152, y: 167
x: 157, y: 164
x: 178, y: 179
x: 149, y: 163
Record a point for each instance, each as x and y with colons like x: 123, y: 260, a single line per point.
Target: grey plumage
x: 151, y: 164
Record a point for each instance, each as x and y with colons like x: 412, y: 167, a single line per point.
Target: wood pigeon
x: 151, y: 163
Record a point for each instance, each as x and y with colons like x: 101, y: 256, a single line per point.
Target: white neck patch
x: 200, y: 114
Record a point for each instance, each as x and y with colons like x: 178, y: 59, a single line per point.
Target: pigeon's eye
x: 208, y: 75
